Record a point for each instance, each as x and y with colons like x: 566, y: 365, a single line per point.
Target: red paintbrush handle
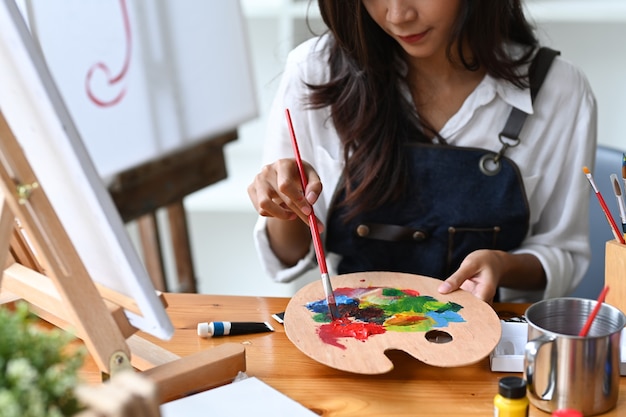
x: 610, y: 219
x: 594, y: 313
x: 317, y: 243
x: 315, y: 233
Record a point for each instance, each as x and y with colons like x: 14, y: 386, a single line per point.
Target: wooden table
x: 412, y: 388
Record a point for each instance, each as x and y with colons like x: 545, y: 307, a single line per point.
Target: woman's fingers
x: 277, y: 191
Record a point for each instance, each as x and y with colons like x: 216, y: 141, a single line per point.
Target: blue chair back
x: 608, y: 161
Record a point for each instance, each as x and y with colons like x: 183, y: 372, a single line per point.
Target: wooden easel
x: 140, y: 192
x: 42, y: 266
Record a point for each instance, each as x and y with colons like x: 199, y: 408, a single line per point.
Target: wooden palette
x: 416, y: 319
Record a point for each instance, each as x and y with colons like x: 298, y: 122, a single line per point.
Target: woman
x: 400, y: 110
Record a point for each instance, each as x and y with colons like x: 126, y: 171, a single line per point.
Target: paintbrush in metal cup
x: 585, y: 330
x: 315, y: 233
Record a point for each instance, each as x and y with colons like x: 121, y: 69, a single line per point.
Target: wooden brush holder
x: 615, y: 274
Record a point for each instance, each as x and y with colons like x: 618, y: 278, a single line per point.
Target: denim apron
x: 450, y: 209
x: 458, y: 200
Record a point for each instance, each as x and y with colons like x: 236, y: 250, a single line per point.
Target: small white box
x: 622, y: 364
x: 508, y: 356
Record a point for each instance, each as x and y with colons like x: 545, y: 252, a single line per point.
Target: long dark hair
x: 370, y: 114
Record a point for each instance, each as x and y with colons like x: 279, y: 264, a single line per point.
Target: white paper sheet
x: 248, y: 397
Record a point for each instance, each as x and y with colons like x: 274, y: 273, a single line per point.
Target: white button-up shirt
x: 557, y: 140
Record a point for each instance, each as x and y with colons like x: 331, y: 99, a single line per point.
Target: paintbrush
x: 594, y: 313
x: 624, y: 170
x: 605, y: 209
x: 315, y: 233
x: 617, y: 189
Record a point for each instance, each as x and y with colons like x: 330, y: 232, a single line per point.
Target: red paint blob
x: 412, y: 293
x: 343, y: 327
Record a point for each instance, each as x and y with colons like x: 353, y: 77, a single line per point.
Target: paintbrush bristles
x: 605, y: 209
x: 616, y: 187
x: 620, y: 200
x: 591, y: 181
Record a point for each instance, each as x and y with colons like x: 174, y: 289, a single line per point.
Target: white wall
x: 596, y: 48
x: 591, y: 34
x: 221, y: 217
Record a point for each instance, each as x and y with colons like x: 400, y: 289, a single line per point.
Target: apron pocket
x: 463, y: 240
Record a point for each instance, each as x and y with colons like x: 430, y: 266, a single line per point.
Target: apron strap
x: 509, y: 137
x: 536, y: 74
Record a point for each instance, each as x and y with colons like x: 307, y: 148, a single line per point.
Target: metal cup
x: 564, y: 370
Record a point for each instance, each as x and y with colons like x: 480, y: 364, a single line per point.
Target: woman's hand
x: 277, y: 193
x: 277, y: 190
x: 484, y: 270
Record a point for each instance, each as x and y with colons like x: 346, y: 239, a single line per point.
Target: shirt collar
x: 515, y: 96
x: 511, y: 94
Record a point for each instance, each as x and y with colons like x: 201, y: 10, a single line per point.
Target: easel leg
x: 177, y: 218
x: 198, y: 372
x: 6, y: 226
x: 150, y: 244
x: 181, y: 248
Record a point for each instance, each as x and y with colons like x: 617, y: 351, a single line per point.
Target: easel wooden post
x: 44, y: 268
x: 163, y: 183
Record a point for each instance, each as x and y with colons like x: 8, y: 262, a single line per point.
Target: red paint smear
x: 348, y: 292
x: 412, y: 293
x: 331, y: 332
x: 357, y: 292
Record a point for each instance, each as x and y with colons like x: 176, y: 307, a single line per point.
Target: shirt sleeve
x: 559, y: 201
x: 290, y: 94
